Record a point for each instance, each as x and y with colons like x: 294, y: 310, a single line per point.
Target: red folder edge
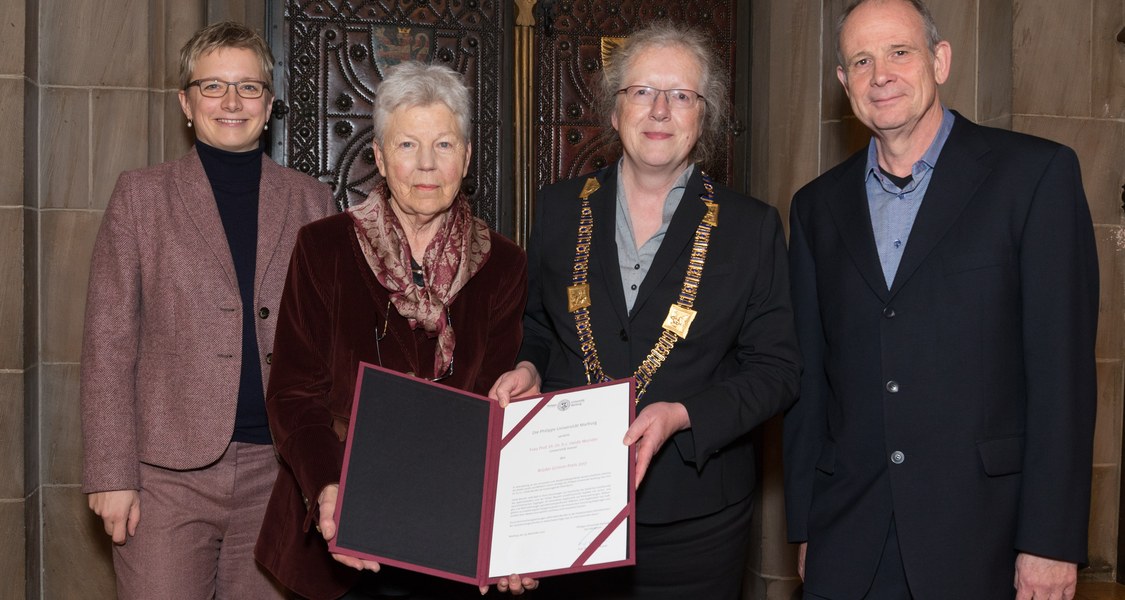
x: 628, y: 513
x: 492, y: 464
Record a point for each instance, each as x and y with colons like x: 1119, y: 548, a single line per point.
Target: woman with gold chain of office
x: 651, y: 269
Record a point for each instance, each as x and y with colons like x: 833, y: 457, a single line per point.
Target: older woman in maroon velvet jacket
x: 409, y: 280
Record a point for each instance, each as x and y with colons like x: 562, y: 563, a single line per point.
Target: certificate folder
x: 445, y: 482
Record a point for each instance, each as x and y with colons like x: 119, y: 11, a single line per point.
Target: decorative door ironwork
x: 531, y: 65
x: 337, y: 52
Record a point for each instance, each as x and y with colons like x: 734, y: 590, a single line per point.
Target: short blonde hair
x: 226, y: 34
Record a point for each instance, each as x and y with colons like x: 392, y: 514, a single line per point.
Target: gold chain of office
x: 680, y: 313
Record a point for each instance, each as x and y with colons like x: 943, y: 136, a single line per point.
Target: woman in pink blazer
x: 185, y: 282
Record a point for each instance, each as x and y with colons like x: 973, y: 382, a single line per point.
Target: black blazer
x: 977, y: 365
x: 738, y: 365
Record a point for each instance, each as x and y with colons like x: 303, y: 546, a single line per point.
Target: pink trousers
x: 196, y: 536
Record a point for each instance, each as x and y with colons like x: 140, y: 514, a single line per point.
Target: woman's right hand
x: 519, y: 382
x: 326, y: 525
x: 120, y: 511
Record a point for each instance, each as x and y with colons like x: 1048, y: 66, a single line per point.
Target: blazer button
x: 624, y: 336
x: 269, y: 358
x: 889, y: 312
x: 264, y: 312
x: 898, y: 457
x: 892, y: 386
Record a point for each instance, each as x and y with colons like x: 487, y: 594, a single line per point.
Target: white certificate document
x: 564, y: 482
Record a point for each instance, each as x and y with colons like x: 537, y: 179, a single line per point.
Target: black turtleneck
x: 235, y: 179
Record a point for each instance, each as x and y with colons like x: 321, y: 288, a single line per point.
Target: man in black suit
x: 945, y: 286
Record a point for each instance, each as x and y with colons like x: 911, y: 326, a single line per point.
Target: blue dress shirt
x: 892, y: 208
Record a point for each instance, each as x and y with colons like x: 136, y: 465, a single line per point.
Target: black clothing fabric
x: 235, y: 180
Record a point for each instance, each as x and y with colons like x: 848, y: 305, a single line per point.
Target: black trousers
x: 890, y: 577
x: 703, y: 557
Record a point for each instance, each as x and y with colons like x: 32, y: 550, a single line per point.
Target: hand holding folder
x: 445, y: 482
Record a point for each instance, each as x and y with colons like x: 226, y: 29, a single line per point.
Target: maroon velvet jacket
x: 331, y: 311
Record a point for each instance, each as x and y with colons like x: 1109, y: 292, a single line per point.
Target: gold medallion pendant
x: 679, y: 320
x: 577, y: 296
x: 680, y: 314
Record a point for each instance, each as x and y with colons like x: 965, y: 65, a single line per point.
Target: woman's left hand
x: 326, y: 525
x: 514, y: 584
x: 656, y: 423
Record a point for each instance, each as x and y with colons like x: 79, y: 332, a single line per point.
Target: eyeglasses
x: 643, y: 95
x: 217, y: 88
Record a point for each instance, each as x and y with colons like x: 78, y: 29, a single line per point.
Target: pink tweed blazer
x: 162, y: 345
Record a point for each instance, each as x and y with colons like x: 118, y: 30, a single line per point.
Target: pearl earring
x: 266, y: 128
x: 189, y: 123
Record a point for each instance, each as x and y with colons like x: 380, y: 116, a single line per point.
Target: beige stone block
x: 1108, y: 97
x: 1111, y: 308
x: 1002, y: 122
x: 794, y: 103
x: 11, y: 437
x: 76, y: 551
x: 11, y: 294
x: 64, y: 161
x: 779, y: 558
x: 180, y: 21
x: 1100, y: 145
x: 765, y: 588
x: 68, y: 240
x: 1102, y: 544
x: 834, y: 104
x: 12, y: 558
x: 784, y: 589
x: 121, y: 136
x: 1050, y: 43
x: 841, y: 139
x: 12, y: 36
x: 957, y: 23
x: 62, y: 425
x: 1107, y: 430
x: 178, y: 138
x: 994, y: 61
x: 11, y: 131
x: 101, y: 44
x: 759, y: 102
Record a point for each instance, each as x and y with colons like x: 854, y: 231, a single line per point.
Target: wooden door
x: 333, y: 55
x: 573, y: 39
x: 531, y: 65
x: 560, y: 48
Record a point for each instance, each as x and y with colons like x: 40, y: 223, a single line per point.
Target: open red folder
x: 446, y: 482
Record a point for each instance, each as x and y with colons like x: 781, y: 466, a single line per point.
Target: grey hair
x: 412, y: 83
x: 933, y: 38
x: 712, y: 79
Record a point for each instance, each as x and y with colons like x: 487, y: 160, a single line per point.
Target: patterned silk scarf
x: 457, y: 252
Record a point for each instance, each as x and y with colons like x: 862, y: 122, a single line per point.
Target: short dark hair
x: 928, y: 24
